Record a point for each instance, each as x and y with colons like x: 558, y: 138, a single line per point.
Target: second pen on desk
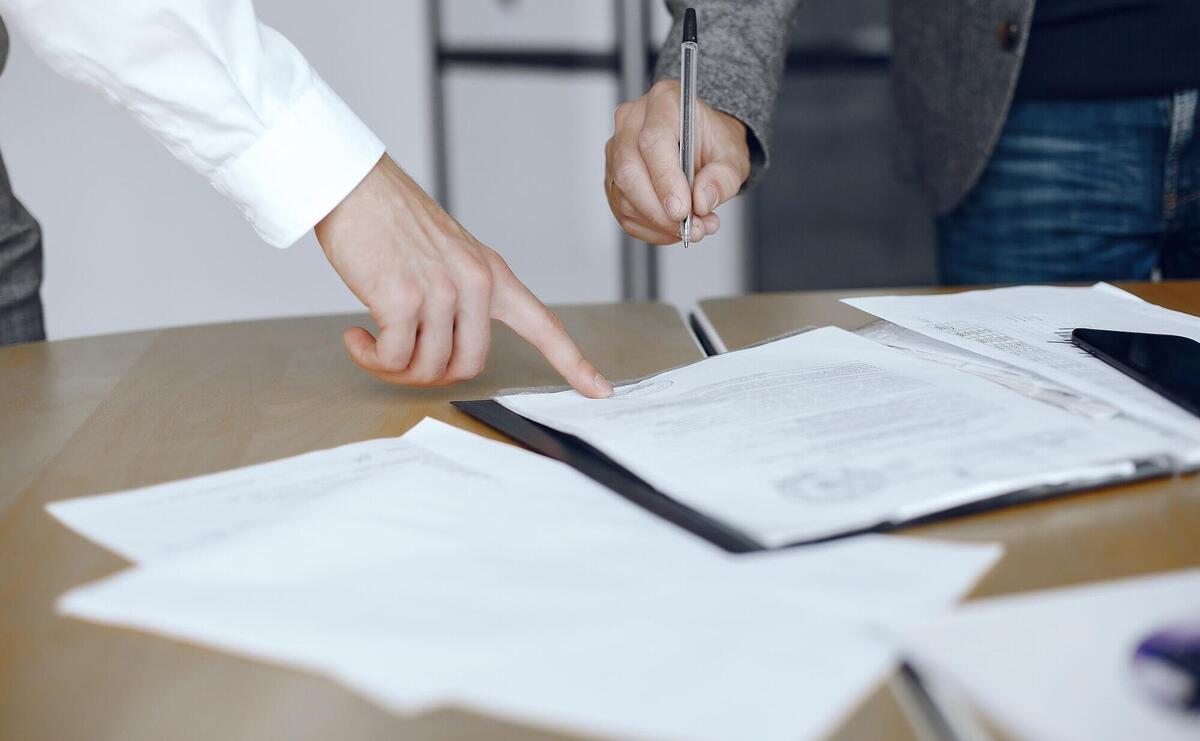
x: 689, y: 57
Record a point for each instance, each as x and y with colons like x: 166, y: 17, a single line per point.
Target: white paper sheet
x: 1011, y: 377
x: 542, y: 598
x: 598, y: 640
x: 164, y: 520
x: 825, y: 432
x: 158, y: 521
x: 1030, y: 327
x: 1057, y: 665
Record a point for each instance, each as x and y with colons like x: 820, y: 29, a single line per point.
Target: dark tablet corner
x: 1166, y: 364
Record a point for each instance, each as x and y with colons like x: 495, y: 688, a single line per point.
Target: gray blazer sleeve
x: 743, y: 46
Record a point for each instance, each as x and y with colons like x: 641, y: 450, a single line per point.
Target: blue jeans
x: 1082, y: 191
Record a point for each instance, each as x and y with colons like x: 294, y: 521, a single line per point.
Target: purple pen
x: 1166, y: 666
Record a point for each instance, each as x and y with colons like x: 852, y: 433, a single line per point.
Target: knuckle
x: 649, y: 139
x: 466, y: 369
x: 425, y: 376
x: 625, y: 176
x: 406, y: 300
x: 391, y: 359
x: 392, y: 362
x: 476, y: 278
x: 442, y: 295
x: 498, y: 269
x: 621, y: 115
x: 491, y: 258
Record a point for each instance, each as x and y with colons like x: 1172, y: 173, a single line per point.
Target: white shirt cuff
x: 304, y: 165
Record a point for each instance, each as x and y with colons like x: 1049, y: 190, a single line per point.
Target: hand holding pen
x: 647, y: 189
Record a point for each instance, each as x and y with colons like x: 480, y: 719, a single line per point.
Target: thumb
x: 724, y: 161
x: 516, y: 306
x: 717, y: 182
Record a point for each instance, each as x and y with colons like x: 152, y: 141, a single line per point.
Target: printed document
x: 824, y: 433
x: 1007, y: 375
x: 1058, y: 665
x: 160, y: 521
x: 473, y: 573
x: 1030, y: 327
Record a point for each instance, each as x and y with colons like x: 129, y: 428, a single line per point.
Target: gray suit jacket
x: 954, y: 67
x: 20, y: 258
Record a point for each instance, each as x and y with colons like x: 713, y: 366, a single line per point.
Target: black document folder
x: 596, y: 465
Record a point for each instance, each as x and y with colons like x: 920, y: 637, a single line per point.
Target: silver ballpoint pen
x: 689, y: 57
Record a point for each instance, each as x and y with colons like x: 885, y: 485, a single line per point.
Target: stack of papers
x: 825, y: 434
x: 445, y: 569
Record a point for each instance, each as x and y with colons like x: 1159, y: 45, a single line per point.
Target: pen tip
x: 689, y: 26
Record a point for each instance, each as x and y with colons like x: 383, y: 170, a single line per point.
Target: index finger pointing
x: 516, y: 306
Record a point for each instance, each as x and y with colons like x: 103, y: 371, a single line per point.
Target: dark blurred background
x: 832, y: 212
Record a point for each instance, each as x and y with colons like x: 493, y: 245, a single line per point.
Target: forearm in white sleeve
x: 230, y: 97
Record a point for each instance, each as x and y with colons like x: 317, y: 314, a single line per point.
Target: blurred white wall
x: 135, y: 240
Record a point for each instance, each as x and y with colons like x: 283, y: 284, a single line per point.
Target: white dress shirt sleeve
x: 230, y: 97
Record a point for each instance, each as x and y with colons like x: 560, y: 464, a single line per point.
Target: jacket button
x: 1008, y: 35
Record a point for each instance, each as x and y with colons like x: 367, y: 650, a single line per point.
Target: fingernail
x: 601, y: 383
x: 711, y: 192
x: 674, y: 207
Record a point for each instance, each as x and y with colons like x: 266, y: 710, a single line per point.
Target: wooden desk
x: 87, y: 416
x: 93, y: 415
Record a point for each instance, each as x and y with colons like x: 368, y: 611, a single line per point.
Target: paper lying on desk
x: 1059, y: 664
x: 1030, y: 327
x: 414, y: 471
x: 478, y: 574
x: 159, y: 521
x: 825, y: 433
